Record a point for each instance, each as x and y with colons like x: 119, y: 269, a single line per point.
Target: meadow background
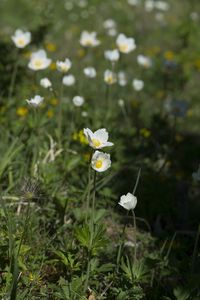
x: 52, y: 244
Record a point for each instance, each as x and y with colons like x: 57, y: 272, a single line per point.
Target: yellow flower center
x: 98, y: 164
x: 123, y: 47
x: 88, y: 43
x: 38, y: 63
x: 110, y: 79
x: 96, y: 142
x: 21, y: 42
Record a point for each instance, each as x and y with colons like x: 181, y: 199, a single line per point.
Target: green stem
x: 91, y: 233
x: 13, y: 79
x: 60, y: 116
x: 135, y: 239
x: 121, y: 244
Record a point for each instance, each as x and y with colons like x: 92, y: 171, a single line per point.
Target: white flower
x: 36, y: 101
x: 112, y: 32
x: 78, y: 100
x: 64, y: 66
x: 88, y: 39
x: 45, y: 83
x: 128, y: 201
x: 97, y: 139
x: 138, y: 84
x: 144, y: 61
x: 112, y: 55
x: 69, y: 80
x: 109, y: 24
x: 125, y: 44
x: 121, y: 103
x: 100, y: 161
x: 122, y: 81
x: 133, y: 2
x: 90, y: 72
x: 110, y: 77
x: 149, y: 5
x: 161, y: 5
x: 84, y: 114
x: 21, y: 39
x: 39, y: 60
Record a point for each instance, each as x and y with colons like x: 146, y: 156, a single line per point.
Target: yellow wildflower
x: 54, y: 101
x: 53, y: 66
x: 51, y: 47
x: 169, y: 55
x: 81, y: 53
x: 50, y: 113
x: 22, y: 111
x: 146, y: 133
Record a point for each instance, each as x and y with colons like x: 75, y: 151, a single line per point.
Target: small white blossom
x: 21, y: 39
x: 161, y: 5
x: 112, y: 55
x: 149, y: 5
x: 128, y: 201
x: 138, y: 84
x: 64, y: 66
x: 89, y: 39
x: 121, y: 103
x: 36, y: 101
x: 112, y: 32
x: 78, y: 101
x: 39, y: 60
x: 109, y: 24
x: 84, y: 114
x: 110, y: 77
x: 122, y: 80
x: 97, y: 139
x: 134, y: 2
x: 100, y: 161
x: 144, y: 61
x: 125, y: 44
x: 90, y: 72
x: 45, y: 83
x: 69, y: 80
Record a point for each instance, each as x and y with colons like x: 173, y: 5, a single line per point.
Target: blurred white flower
x: 39, y: 60
x: 45, y: 83
x: 194, y: 16
x: 84, y: 114
x: 36, y: 101
x: 149, y: 5
x: 112, y: 55
x: 97, y: 139
x: 64, y: 66
x: 121, y: 103
x: 161, y: 5
x: 122, y: 81
x: 112, y: 32
x: 69, y: 80
x: 90, y: 72
x: 100, y: 161
x: 144, y: 61
x: 109, y: 24
x: 125, y: 44
x: 128, y: 201
x: 78, y: 101
x: 110, y: 77
x: 134, y: 2
x: 21, y: 38
x: 160, y: 17
x: 138, y: 84
x: 89, y: 39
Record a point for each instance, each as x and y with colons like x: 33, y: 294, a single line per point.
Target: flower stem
x: 135, y: 238
x: 13, y: 79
